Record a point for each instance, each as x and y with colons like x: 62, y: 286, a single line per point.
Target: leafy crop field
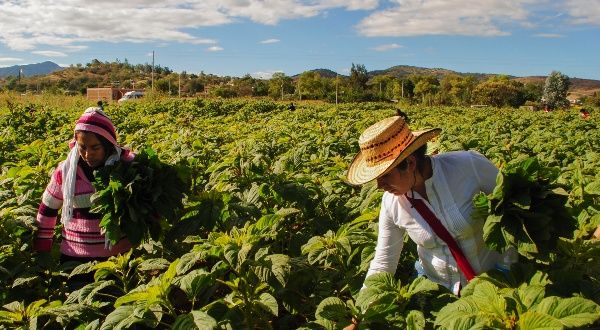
x: 271, y: 236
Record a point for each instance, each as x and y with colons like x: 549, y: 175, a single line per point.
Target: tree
x: 358, y: 77
x: 403, y: 88
x: 457, y: 90
x: 194, y: 86
x: 382, y: 86
x: 310, y: 85
x: 499, y: 91
x: 533, y: 91
x: 261, y: 88
x: 555, y: 90
x: 425, y: 87
x: 279, y: 85
x: 245, y: 86
x: 592, y: 100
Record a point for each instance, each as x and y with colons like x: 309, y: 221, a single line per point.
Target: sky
x: 239, y: 37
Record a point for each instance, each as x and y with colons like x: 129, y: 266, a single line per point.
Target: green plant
x: 134, y: 197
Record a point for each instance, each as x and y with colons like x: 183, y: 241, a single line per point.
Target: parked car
x: 132, y: 95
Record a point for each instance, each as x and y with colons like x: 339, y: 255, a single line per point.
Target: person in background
x: 429, y: 198
x: 292, y: 107
x: 584, y: 114
x: 94, y: 145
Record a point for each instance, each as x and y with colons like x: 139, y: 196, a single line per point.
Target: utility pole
x: 402, y: 88
x: 336, y: 88
x: 282, y: 89
x: 152, y: 71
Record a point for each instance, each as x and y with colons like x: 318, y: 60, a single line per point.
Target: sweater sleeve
x: 48, y: 212
x: 390, y: 240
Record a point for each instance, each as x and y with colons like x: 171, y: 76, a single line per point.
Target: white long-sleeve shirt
x: 457, y: 177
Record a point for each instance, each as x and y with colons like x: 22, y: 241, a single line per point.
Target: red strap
x: 442, y: 232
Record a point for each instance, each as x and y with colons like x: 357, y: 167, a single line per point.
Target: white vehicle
x: 131, y: 96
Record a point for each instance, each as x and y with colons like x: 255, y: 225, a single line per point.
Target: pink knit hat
x: 95, y: 120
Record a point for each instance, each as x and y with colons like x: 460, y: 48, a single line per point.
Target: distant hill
x: 402, y: 71
x: 29, y: 70
x: 325, y: 73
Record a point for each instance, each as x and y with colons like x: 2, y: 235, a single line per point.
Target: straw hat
x: 383, y: 146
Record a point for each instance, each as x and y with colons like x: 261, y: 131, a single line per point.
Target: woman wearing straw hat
x: 427, y: 197
x: 94, y: 145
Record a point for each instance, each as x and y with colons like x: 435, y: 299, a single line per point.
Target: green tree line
x: 359, y: 85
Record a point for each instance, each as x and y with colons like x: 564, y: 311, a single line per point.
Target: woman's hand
x: 596, y: 233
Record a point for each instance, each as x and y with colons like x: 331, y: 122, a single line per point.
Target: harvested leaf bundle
x: 135, y: 198
x: 525, y: 210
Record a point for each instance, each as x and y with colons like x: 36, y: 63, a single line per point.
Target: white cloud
x: 75, y: 48
x: 214, y: 49
x: 28, y: 25
x: 270, y: 41
x: 583, y: 11
x: 10, y: 59
x: 271, y: 12
x: 386, y: 47
x: 49, y: 53
x: 264, y: 74
x: 548, y: 35
x: 446, y: 17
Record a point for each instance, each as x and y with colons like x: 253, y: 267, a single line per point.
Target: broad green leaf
x: 415, y: 320
x: 120, y: 318
x: 422, y: 284
x: 10, y: 317
x: 593, y: 188
x: 20, y: 281
x: 195, y: 282
x: 153, y: 264
x: 85, y: 268
x: 195, y: 320
x: 133, y: 297
x: 536, y: 320
x: 332, y: 308
x: 268, y: 303
x: 87, y: 294
x: 188, y: 261
x: 528, y: 296
x: 571, y: 312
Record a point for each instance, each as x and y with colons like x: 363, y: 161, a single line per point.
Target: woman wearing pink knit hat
x: 94, y: 145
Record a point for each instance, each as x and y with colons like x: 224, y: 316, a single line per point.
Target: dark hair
x: 403, y: 115
x: 420, y: 156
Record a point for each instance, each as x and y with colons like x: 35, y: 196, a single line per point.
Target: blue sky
x: 238, y: 37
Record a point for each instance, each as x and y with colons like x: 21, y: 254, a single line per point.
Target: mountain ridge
x: 28, y: 70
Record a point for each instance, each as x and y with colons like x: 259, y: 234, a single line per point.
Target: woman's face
x: 397, y: 181
x: 90, y: 149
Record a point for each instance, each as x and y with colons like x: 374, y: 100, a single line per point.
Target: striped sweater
x: 81, y: 237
